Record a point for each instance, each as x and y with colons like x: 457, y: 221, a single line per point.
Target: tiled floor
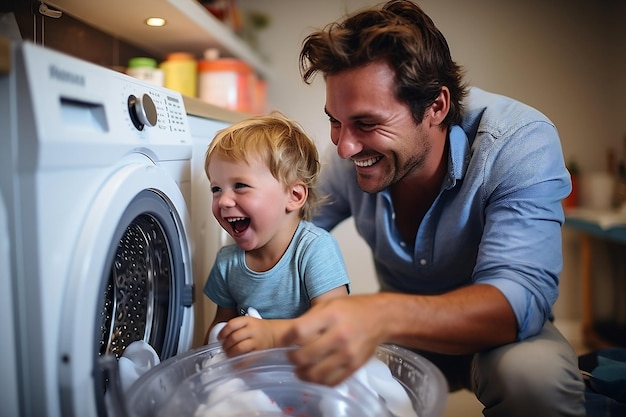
x: 464, y: 403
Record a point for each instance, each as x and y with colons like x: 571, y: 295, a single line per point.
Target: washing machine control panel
x: 153, y: 110
x: 142, y: 111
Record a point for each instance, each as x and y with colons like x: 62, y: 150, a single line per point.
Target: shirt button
x: 423, y: 262
x: 403, y: 244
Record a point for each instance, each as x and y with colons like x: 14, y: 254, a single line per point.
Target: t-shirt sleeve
x: 216, y: 287
x: 323, y: 266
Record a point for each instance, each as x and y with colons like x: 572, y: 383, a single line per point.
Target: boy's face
x: 248, y: 202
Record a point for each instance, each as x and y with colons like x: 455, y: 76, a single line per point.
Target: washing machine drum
x: 143, y: 296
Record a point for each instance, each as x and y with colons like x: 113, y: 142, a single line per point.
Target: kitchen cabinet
x: 189, y: 28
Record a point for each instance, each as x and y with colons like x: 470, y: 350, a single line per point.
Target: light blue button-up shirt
x: 497, y: 219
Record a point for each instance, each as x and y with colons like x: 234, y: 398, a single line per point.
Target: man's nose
x: 347, y: 144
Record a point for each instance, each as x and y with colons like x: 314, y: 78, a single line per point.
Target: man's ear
x: 440, y: 107
x: 298, y: 194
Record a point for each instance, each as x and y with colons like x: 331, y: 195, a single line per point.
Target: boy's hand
x: 246, y: 334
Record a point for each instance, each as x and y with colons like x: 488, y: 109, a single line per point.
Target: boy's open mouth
x: 239, y: 224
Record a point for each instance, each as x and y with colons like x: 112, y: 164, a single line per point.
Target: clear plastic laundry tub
x: 203, y: 382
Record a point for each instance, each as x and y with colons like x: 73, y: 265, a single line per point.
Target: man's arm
x: 339, y: 336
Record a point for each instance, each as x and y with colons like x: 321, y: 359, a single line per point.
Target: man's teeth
x: 367, y: 162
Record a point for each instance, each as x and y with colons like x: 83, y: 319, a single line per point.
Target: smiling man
x: 458, y: 193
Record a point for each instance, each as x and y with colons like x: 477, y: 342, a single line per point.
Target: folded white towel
x: 231, y: 399
x: 215, y: 331
x: 381, y: 381
x: 138, y: 358
x: 376, y: 376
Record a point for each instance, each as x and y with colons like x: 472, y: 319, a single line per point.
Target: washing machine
x: 94, y: 170
x: 207, y: 235
x: 8, y: 393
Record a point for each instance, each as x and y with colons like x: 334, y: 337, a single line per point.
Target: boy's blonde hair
x: 290, y: 155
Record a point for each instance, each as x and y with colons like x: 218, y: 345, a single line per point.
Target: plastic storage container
x: 145, y: 69
x: 181, y: 73
x: 228, y: 83
x: 184, y: 385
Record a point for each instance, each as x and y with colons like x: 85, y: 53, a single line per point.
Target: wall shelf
x: 190, y: 27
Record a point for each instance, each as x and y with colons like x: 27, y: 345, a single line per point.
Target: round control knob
x: 142, y: 111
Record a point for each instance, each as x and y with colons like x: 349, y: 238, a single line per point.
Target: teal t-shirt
x: 311, y: 266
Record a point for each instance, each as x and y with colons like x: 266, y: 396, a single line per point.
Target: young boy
x: 263, y: 173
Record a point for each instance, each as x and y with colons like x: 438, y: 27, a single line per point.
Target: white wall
x: 563, y: 57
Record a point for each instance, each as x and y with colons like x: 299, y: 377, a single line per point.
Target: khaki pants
x: 537, y: 377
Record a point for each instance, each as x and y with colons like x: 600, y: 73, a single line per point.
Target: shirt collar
x: 459, y: 157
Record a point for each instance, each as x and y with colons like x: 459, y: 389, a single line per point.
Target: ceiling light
x: 155, y: 21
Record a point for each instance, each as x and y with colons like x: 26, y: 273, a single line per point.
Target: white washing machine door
x: 8, y: 376
x: 130, y: 280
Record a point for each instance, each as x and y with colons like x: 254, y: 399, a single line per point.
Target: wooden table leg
x: 585, y: 285
x: 590, y: 337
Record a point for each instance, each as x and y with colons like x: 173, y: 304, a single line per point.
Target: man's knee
x: 533, y: 371
x: 536, y: 377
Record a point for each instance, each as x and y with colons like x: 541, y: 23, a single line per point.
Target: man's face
x: 371, y: 127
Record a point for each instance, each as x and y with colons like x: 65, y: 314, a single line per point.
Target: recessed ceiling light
x: 155, y: 21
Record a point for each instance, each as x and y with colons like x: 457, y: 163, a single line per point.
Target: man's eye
x: 367, y: 126
x: 215, y: 190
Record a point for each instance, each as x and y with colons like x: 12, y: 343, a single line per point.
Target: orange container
x: 228, y: 83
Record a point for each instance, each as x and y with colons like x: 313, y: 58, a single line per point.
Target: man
x: 458, y: 193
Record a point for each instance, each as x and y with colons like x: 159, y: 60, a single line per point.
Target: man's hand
x: 336, y: 337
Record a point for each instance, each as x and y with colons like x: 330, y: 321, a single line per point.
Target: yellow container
x: 181, y: 73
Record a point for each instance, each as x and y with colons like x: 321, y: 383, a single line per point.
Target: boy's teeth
x: 239, y: 224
